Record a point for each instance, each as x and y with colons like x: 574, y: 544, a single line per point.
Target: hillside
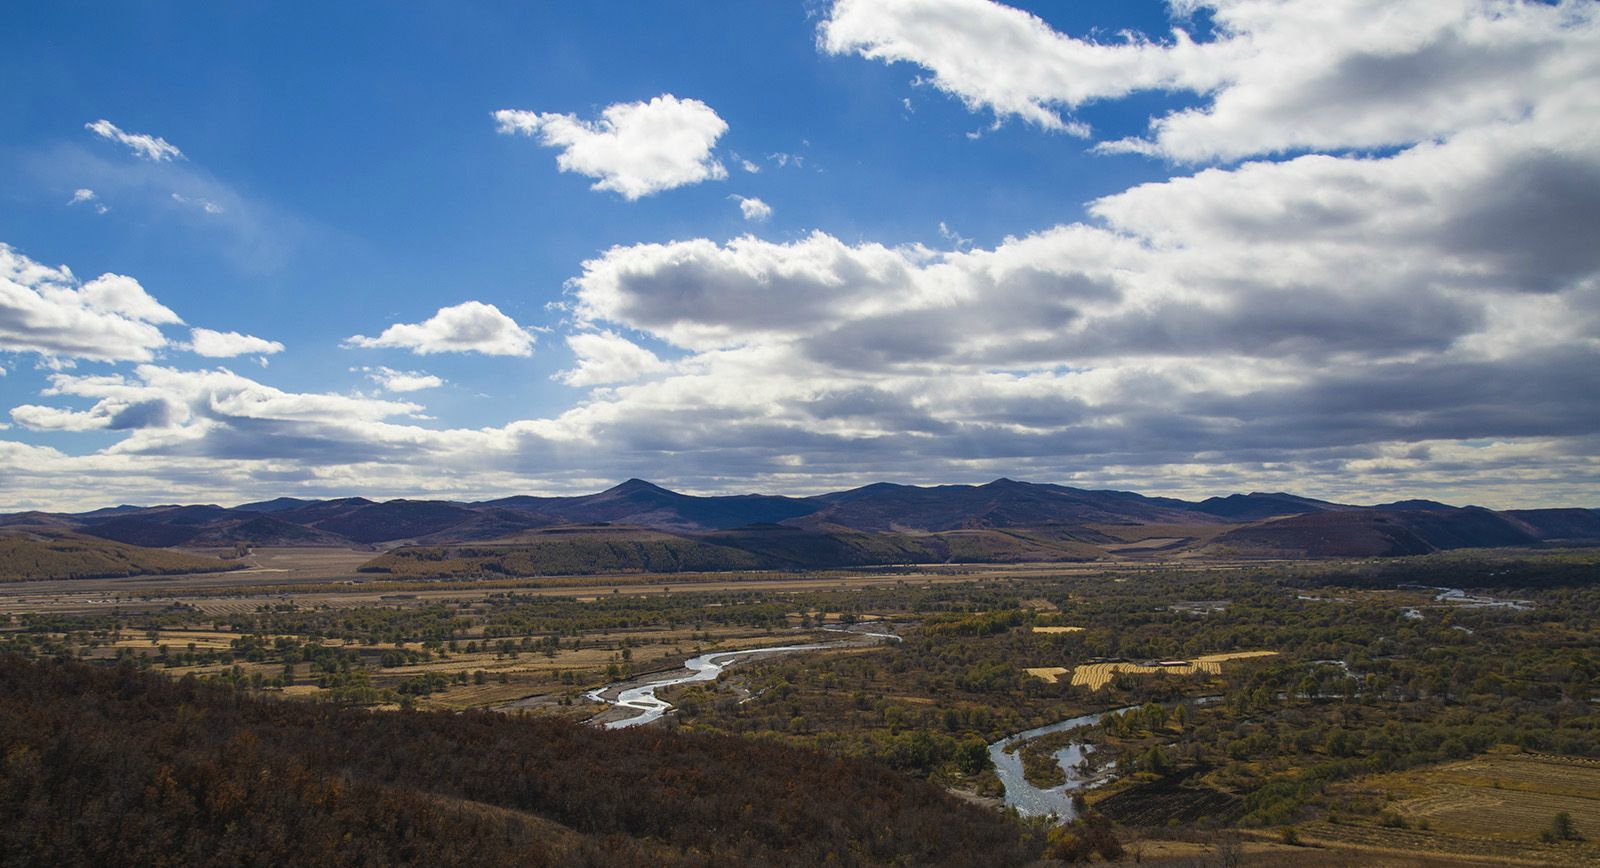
x: 643, y: 552
x: 112, y: 766
x: 642, y: 503
x: 587, y: 550
x: 26, y: 557
x: 1372, y: 533
x: 1002, y: 503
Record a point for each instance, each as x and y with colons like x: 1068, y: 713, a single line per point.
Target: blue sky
x: 960, y: 273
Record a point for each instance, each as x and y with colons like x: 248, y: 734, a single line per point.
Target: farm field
x: 1501, y: 803
x: 1097, y: 676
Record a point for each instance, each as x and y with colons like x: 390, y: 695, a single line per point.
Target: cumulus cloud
x: 636, y: 148
x: 45, y: 310
x: 402, y: 381
x: 607, y: 357
x: 753, y: 209
x: 148, y: 147
x: 226, y: 345
x: 215, y: 414
x: 469, y: 327
x: 1303, y: 74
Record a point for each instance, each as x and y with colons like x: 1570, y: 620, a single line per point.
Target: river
x: 648, y: 707
x: 1032, y: 801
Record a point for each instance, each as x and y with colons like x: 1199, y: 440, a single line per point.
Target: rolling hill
x: 26, y: 557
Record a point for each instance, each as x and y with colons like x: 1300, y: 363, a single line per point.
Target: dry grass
x: 1490, y: 808
x: 1051, y: 674
x: 1097, y: 675
x: 1053, y: 630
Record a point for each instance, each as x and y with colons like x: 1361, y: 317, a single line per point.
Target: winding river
x: 1032, y: 801
x: 641, y: 698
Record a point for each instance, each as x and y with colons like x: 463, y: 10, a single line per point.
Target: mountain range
x: 1004, y: 520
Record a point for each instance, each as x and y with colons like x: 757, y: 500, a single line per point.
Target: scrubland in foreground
x: 114, y: 766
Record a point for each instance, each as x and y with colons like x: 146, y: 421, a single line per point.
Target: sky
x: 1344, y: 248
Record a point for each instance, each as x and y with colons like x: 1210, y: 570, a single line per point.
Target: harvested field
x: 1499, y: 803
x: 1051, y: 674
x: 1097, y: 675
x: 1457, y: 849
x: 1170, y: 800
x: 1055, y: 630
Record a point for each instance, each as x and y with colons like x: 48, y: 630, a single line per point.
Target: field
x: 1499, y: 805
x: 1050, y: 674
x: 1097, y: 676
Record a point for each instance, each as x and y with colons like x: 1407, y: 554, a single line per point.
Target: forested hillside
x: 112, y: 766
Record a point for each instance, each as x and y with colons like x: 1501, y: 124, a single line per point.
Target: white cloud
x: 469, y: 327
x: 153, y: 148
x: 402, y: 381
x: 1300, y: 74
x: 164, y: 408
x: 607, y: 357
x: 753, y: 209
x: 226, y: 345
x: 635, y: 149
x: 45, y: 310
x: 81, y: 195
x: 205, y: 205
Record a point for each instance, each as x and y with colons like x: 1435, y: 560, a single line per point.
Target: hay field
x: 1050, y: 674
x: 1097, y: 675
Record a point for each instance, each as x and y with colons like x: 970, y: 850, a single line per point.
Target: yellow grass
x: 1097, y: 675
x: 1051, y: 674
x: 1058, y: 629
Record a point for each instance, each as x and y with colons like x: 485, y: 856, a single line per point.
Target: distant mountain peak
x: 638, y: 485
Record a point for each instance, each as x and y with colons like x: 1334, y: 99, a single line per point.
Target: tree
x: 1561, y: 829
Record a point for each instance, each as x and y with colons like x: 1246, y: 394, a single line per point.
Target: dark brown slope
x: 380, y: 522
x: 1557, y: 524
x: 999, y: 504
x: 1372, y: 533
x: 637, y: 502
x: 1259, y: 505
x: 117, y: 767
